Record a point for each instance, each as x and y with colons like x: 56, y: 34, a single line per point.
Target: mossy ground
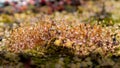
x: 55, y: 52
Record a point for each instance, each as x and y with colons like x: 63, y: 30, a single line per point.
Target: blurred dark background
x: 47, y: 6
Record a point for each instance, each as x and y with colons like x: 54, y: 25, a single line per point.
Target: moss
x: 61, y: 40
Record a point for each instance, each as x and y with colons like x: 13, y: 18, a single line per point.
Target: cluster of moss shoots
x: 68, y: 43
x: 82, y: 38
